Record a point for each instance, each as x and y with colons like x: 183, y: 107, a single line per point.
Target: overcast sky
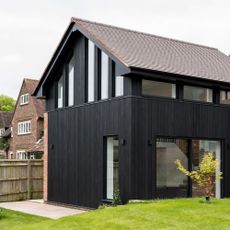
x: 30, y: 30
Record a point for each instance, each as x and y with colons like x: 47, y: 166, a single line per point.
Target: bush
x: 116, y: 197
x: 205, y: 175
x: 2, y: 213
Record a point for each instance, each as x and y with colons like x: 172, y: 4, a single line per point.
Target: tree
x: 7, y: 103
x: 3, y: 144
x: 205, y: 176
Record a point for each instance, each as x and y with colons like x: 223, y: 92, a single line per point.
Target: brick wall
x: 22, y: 113
x: 45, y: 158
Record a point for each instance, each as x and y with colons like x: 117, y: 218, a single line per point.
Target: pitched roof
x: 39, y: 104
x: 31, y: 85
x: 151, y: 52
x: 7, y: 133
x: 5, y: 119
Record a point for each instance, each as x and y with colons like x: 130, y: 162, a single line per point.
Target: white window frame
x: 24, y: 127
x: 24, y: 99
x: 11, y: 155
x: 21, y: 155
x: 2, y: 131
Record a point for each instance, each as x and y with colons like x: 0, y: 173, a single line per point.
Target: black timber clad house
x: 123, y: 106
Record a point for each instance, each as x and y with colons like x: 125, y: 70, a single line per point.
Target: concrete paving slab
x: 39, y: 208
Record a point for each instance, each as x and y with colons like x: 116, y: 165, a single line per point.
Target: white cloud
x: 11, y: 59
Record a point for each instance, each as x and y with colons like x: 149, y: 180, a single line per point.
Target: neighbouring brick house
x: 5, y: 120
x: 27, y: 124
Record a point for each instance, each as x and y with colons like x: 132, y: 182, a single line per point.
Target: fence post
x: 29, y: 179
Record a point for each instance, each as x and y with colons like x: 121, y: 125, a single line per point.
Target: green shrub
x: 2, y: 213
x: 205, y: 177
x: 116, y: 197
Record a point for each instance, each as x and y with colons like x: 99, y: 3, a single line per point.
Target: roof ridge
x: 73, y: 19
x: 29, y: 79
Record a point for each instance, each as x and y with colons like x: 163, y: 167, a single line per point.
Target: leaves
x: 3, y: 144
x: 205, y: 176
x: 7, y: 104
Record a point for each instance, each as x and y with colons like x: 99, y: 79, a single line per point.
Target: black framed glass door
x: 199, y: 149
x: 170, y: 182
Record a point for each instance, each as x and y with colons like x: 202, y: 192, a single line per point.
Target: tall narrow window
x: 91, y: 75
x: 170, y: 181
x: 71, y: 83
x: 201, y: 148
x: 119, y: 86
x: 104, y: 76
x: 112, y: 167
x: 60, y: 92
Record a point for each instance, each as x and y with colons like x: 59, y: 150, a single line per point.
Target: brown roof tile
x: 146, y: 51
x: 5, y: 119
x: 39, y: 104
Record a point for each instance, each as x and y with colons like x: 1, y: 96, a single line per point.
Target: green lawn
x: 158, y: 214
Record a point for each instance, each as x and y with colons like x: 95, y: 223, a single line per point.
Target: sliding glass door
x: 170, y: 182
x: 200, y: 148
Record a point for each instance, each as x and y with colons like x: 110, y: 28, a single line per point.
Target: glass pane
x: 104, y: 76
x: 224, y: 97
x: 60, y: 92
x: 170, y: 181
x: 200, y: 148
x: 197, y: 94
x: 119, y: 86
x: 156, y: 88
x: 91, y: 60
x: 71, y: 83
x: 112, y: 167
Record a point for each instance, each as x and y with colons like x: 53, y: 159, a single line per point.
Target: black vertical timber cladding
x: 76, y: 160
x: 76, y: 136
x: 80, y: 51
x: 158, y: 117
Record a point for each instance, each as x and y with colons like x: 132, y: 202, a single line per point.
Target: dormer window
x: 24, y: 99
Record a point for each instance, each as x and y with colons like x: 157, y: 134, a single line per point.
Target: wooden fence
x: 21, y: 179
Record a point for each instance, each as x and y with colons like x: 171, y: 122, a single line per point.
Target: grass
x: 159, y: 214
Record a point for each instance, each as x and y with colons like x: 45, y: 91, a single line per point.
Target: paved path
x: 37, y: 207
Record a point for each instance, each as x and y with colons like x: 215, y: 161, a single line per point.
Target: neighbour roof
x: 38, y: 147
x: 7, y: 133
x: 5, y: 119
x: 31, y: 85
x: 151, y: 52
